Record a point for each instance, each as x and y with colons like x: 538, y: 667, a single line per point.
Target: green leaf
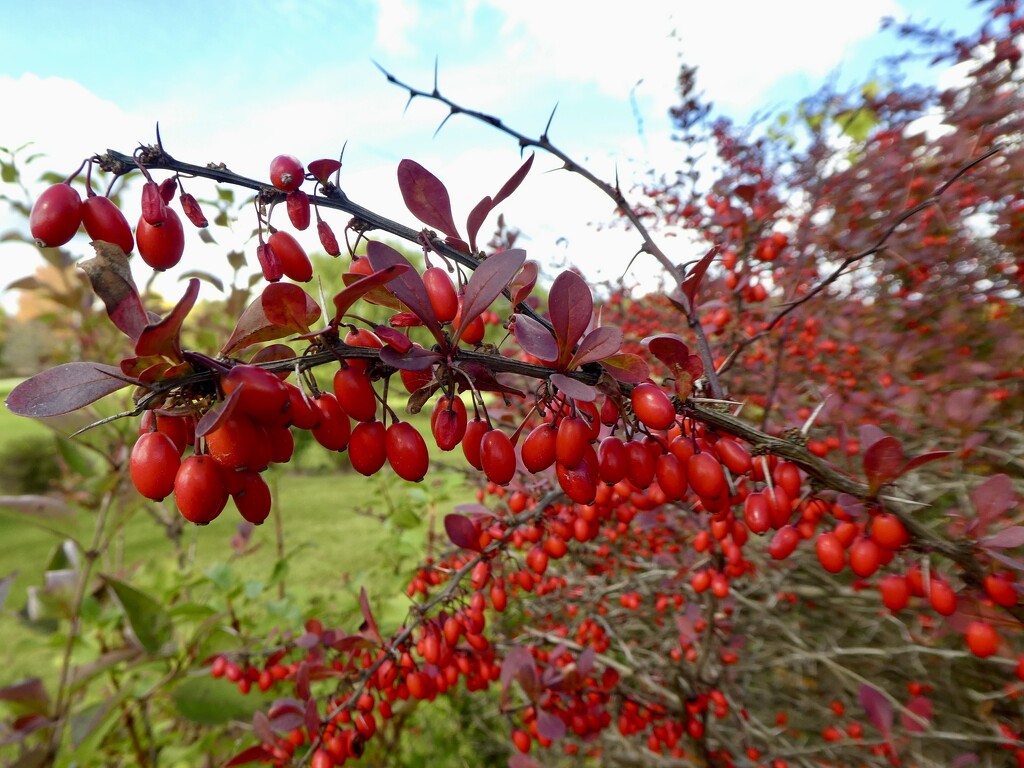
x: 859, y: 124
x: 75, y: 457
x: 8, y: 172
x: 221, y: 576
x: 147, y: 619
x: 405, y: 518
x: 207, y: 701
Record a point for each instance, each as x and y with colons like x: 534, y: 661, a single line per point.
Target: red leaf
x: 993, y: 498
x: 64, y: 389
x: 883, y: 461
x: 371, y: 624
x: 522, y: 284
x: 407, y: 286
x: 571, y: 307
x: 476, y: 219
x: 877, y: 708
x: 111, y: 280
x: 920, y: 706
x: 1008, y: 538
x: 669, y: 348
x: 218, y: 414
x: 426, y: 197
x: 599, y: 343
x: 627, y: 368
x: 535, y: 338
x: 355, y: 291
x: 164, y: 338
x: 272, y: 353
x: 462, y: 532
x: 312, y: 719
x: 29, y: 695
x: 321, y: 170
x: 693, y: 279
x: 286, y: 305
x: 250, y: 755
x: 514, y: 181
x: 284, y: 317
x: 395, y: 340
x: 923, y: 459
x: 577, y: 390
x: 486, y: 284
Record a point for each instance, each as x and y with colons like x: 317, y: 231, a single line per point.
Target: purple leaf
x: 483, y: 378
x: 408, y: 286
x: 696, y: 274
x: 577, y: 390
x: 535, y: 338
x: 518, y: 664
x: 262, y: 728
x: 519, y: 760
x: 462, y: 532
x: 248, y: 755
x: 29, y: 695
x: 920, y: 706
x: 426, y: 197
x: 869, y: 434
x: 626, y: 367
x: 550, y: 726
x: 64, y: 389
x: 416, y: 359
x: 523, y: 283
x: 111, y: 280
x: 352, y: 293
x: 476, y: 219
x: 312, y: 718
x: 571, y: 307
x: 877, y: 708
x: 965, y: 758
x: 599, y: 343
x: 370, y: 628
x: 1008, y: 538
x: 585, y: 661
x: 883, y: 461
x: 486, y: 284
x: 993, y: 498
x: 164, y: 338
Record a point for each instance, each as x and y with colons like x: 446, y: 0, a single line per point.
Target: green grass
x: 329, y: 516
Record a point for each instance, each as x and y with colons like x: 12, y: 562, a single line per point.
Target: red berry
x: 757, y: 513
x: 199, y: 489
x: 784, y: 542
x: 895, y: 592
x: 355, y: 393
x: 473, y: 333
x: 613, y: 460
x: 888, y: 531
x: 982, y: 639
x: 865, y: 557
x: 252, y: 499
x: 448, y: 422
x: 705, y: 475
x: 366, y: 449
x: 652, y: 406
x: 571, y: 440
x: 334, y: 429
x: 942, y: 597
x: 831, y: 552
x: 161, y: 247
x: 538, y: 449
x: 262, y: 395
x: 498, y: 457
x: 56, y: 216
x: 286, y: 173
x: 104, y: 221
x: 295, y: 264
x: 441, y: 292
x: 406, y: 451
x: 671, y: 475
x: 298, y: 209
x: 580, y: 482
x: 153, y: 465
x: 475, y: 431
x: 733, y: 455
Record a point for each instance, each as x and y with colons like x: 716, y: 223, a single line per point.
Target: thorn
x: 436, y: 92
x: 544, y: 136
x: 814, y: 415
x: 446, y: 118
x: 412, y: 95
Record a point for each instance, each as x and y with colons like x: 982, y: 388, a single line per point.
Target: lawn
x: 330, y: 518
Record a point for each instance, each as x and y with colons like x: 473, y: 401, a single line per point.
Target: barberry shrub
x: 788, y: 534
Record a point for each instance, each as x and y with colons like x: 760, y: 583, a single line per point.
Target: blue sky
x: 240, y: 82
